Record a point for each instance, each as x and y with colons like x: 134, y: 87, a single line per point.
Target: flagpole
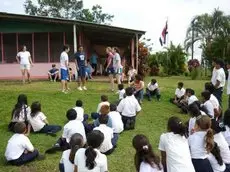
x: 167, y: 45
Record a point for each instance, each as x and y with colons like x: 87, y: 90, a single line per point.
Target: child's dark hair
x: 19, y: 106
x: 65, y: 47
x: 206, y: 95
x: 105, y: 109
x: 194, y: 110
x: 144, y: 152
x: 220, y: 62
x: 113, y: 107
x: 227, y: 117
x: 180, y: 84
x: 217, y: 127
x: 35, y: 108
x: 120, y: 86
x: 138, y: 77
x: 129, y: 91
x: 154, y: 81
x: 71, y: 114
x: 191, y: 91
x: 79, y: 103
x: 176, y: 126
x: 209, y: 87
x: 94, y: 140
x: 104, y: 98
x: 216, y: 153
x: 53, y: 65
x: 103, y: 119
x: 75, y: 143
x: 204, y: 123
x: 20, y: 127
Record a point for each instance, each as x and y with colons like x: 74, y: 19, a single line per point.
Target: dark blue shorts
x: 110, y: 71
x: 81, y: 72
x: 64, y: 74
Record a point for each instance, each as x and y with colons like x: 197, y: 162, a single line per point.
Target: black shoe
x: 55, y: 148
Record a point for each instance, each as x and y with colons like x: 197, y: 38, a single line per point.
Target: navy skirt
x: 202, y: 165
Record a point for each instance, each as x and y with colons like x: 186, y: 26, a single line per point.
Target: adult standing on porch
x: 117, y: 64
x: 110, y: 67
x: 218, y: 79
x: 80, y: 61
x: 24, y: 59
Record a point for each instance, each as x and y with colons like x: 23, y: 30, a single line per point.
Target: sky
x: 147, y: 15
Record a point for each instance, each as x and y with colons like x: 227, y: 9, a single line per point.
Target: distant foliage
x: 143, y: 55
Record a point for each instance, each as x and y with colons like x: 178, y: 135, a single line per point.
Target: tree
x: 68, y: 9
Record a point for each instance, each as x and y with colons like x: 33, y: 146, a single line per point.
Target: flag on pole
x: 162, y: 38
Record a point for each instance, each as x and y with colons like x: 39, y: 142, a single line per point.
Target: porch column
x: 74, y: 38
x: 33, y: 48
x: 132, y: 52
x: 137, y: 47
x: 64, y: 42
x: 17, y: 42
x: 2, y: 48
x: 48, y: 46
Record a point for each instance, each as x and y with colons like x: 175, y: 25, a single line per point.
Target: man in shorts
x: 80, y: 61
x: 64, y: 62
x: 24, y: 59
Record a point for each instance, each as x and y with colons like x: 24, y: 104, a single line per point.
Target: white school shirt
x: 145, y: 167
x: 121, y: 93
x: 197, y: 145
x: 179, y: 92
x: 24, y: 57
x: 117, y: 61
x: 213, y: 79
x: 68, y: 166
x: 192, y: 123
x: 100, y: 165
x: 72, y: 127
x: 117, y: 123
x: 129, y: 106
x: 209, y: 107
x: 16, y: 146
x: 80, y: 113
x: 102, y: 104
x: 178, y: 157
x: 22, y: 114
x: 223, y: 145
x: 215, y: 166
x: 192, y: 99
x: 37, y: 122
x: 108, y: 135
x: 228, y: 83
x: 64, y: 57
x: 220, y: 76
x: 227, y: 134
x: 214, y: 102
x: 152, y: 87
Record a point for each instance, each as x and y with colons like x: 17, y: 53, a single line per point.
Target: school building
x: 44, y: 38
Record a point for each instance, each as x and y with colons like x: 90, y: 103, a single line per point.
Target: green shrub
x: 195, y: 73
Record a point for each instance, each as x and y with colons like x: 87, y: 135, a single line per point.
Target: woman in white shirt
x: 90, y: 159
x: 67, y: 159
x: 20, y: 112
x: 24, y: 59
x: 117, y: 64
x: 174, y: 148
x: 39, y: 122
x: 201, y: 143
x: 145, y: 159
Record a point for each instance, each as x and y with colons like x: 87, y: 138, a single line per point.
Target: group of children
x: 85, y: 144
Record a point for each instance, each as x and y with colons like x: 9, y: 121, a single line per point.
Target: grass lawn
x: 151, y: 121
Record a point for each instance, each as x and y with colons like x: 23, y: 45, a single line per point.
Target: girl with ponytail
x: 90, y: 158
x: 201, y: 144
x: 67, y: 159
x: 145, y: 159
x: 174, y: 148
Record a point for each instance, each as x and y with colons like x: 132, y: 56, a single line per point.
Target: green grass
x: 151, y: 121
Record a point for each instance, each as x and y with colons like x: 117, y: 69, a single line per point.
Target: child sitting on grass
x: 121, y: 91
x: 39, y: 123
x: 107, y: 146
x: 153, y: 90
x: 72, y: 127
x: 117, y: 124
x: 19, y: 149
x: 20, y: 112
x: 190, y: 98
x: 80, y: 111
x: 207, y: 104
x: 104, y: 101
x: 67, y: 160
x: 138, y: 86
x: 179, y: 93
x: 129, y: 107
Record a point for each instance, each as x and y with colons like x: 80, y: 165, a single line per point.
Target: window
x: 41, y: 47
x: 9, y: 46
x: 56, y: 45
